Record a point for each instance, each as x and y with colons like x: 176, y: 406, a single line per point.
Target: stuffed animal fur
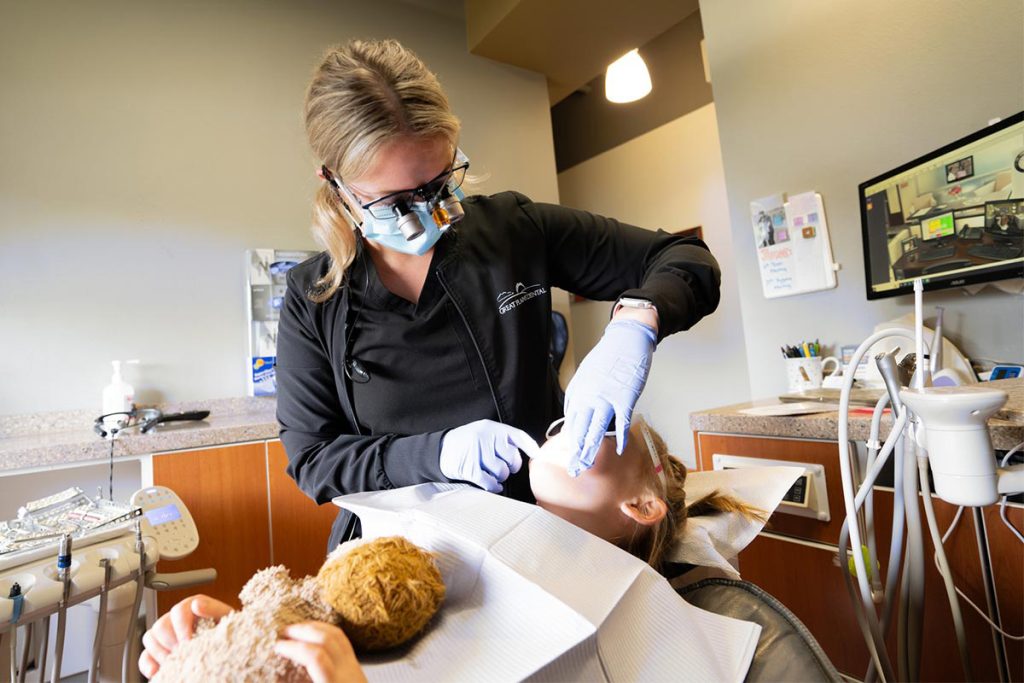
x: 381, y: 593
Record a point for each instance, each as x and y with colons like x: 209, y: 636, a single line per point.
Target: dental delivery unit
x: 69, y: 549
x: 941, y: 429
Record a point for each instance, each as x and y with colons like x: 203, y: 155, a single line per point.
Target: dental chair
x: 786, y: 650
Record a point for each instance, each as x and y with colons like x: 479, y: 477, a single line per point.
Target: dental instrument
x: 64, y: 575
x: 97, y: 643
x: 938, y: 429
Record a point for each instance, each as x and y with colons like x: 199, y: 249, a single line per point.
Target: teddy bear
x: 380, y: 592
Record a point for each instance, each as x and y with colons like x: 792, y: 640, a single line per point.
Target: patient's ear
x: 647, y: 511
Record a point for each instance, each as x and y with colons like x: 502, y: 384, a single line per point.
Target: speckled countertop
x: 1007, y: 428
x: 29, y: 441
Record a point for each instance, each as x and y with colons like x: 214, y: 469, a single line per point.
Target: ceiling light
x: 627, y: 78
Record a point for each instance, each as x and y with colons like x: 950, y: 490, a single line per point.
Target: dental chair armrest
x: 166, y: 582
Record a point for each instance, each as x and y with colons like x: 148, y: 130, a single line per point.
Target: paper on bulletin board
x: 793, y: 248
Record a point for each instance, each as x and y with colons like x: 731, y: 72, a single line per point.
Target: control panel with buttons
x: 165, y: 518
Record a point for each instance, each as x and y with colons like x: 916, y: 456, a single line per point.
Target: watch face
x: 1018, y: 163
x: 630, y: 302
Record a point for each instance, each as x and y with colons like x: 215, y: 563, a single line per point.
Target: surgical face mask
x: 425, y: 224
x: 388, y: 233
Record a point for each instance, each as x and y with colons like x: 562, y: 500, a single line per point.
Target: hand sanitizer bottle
x: 118, y: 396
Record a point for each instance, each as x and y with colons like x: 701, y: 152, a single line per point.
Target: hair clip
x: 659, y: 469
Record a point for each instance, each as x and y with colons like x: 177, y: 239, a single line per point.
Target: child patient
x: 635, y: 500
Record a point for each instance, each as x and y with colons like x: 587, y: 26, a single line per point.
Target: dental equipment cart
x: 69, y: 549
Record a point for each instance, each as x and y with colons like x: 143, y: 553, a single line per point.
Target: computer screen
x: 952, y: 217
x: 936, y: 227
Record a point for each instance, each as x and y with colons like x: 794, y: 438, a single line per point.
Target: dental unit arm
x: 946, y: 428
x: 116, y: 548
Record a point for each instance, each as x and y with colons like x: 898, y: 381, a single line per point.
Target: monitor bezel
x: 932, y: 284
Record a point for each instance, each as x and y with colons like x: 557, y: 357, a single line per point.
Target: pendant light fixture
x: 627, y: 78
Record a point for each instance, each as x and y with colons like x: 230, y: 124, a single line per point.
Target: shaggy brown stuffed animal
x: 381, y: 593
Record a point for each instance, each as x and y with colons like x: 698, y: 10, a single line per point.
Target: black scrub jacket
x: 508, y: 254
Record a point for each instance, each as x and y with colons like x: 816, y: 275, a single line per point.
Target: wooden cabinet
x: 225, y: 489
x: 796, y: 560
x: 250, y: 515
x: 299, y: 527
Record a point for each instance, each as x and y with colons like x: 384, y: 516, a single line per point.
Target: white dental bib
x: 532, y: 596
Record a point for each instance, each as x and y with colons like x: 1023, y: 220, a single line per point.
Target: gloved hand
x: 485, y: 453
x: 607, y: 385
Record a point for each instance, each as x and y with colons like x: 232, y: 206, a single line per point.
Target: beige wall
x: 144, y: 146
x: 670, y: 178
x: 822, y: 96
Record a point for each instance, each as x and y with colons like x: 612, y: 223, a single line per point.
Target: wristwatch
x: 632, y: 302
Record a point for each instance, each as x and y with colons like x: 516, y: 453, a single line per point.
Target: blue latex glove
x: 607, y: 385
x: 485, y: 453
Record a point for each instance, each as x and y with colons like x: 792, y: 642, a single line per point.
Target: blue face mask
x: 386, y: 233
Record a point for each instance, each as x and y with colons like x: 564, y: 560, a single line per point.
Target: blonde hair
x: 651, y: 543
x: 364, y: 94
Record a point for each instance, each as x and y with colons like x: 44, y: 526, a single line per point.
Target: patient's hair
x: 651, y: 543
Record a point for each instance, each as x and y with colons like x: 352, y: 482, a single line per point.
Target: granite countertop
x: 1007, y: 427
x: 40, y: 440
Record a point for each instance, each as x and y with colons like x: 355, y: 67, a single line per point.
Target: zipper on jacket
x: 479, y: 352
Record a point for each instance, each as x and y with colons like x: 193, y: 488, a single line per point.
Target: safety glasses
x: 557, y: 425
x: 652, y: 449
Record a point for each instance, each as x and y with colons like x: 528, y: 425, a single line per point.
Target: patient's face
x: 592, y: 500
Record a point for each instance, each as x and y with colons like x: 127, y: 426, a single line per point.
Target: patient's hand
x: 324, y: 651
x: 175, y: 627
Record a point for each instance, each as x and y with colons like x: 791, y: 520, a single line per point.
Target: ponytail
x: 716, y: 502
x: 335, y: 234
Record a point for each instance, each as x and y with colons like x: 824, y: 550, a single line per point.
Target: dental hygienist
x: 415, y: 348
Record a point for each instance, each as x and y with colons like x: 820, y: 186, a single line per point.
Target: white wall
x: 144, y: 146
x: 671, y: 178
x: 822, y: 96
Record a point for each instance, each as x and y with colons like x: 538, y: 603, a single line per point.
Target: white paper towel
x: 712, y: 540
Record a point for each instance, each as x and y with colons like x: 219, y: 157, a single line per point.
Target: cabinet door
x: 300, y: 526
x: 805, y: 578
x: 225, y: 489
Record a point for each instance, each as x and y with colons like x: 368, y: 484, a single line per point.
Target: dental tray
x: 41, y: 524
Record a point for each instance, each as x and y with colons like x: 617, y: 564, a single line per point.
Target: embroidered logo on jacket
x: 521, y: 294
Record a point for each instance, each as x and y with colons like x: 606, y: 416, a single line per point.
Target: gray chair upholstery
x: 786, y: 650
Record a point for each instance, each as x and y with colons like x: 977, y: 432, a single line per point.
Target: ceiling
x: 569, y: 41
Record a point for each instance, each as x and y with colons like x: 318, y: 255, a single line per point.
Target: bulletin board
x: 794, y: 252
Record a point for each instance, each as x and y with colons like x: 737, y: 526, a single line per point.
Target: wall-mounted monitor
x: 952, y: 217
x: 960, y: 169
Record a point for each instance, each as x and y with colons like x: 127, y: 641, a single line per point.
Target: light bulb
x: 627, y: 78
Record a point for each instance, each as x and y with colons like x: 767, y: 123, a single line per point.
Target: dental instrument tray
x: 41, y: 523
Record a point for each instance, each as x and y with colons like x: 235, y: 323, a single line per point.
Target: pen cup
x: 807, y: 373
